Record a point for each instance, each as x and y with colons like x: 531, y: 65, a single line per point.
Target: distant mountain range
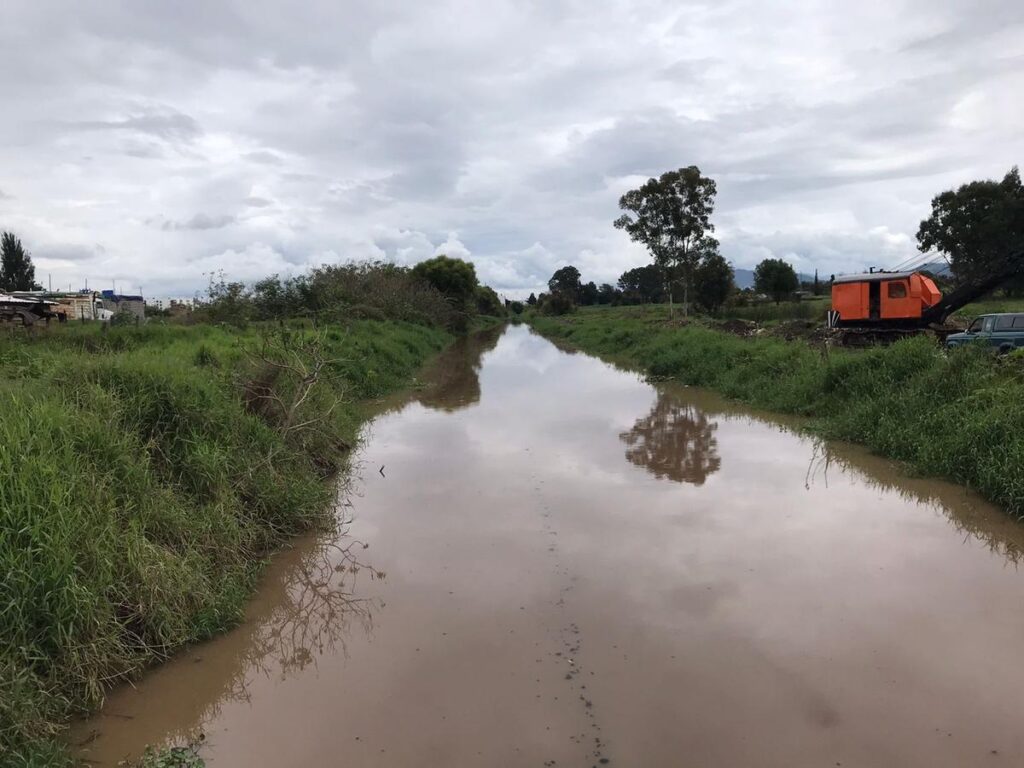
x: 745, y: 277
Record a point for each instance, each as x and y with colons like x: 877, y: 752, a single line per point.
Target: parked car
x: 1005, y: 332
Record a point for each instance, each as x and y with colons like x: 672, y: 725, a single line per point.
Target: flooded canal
x: 580, y: 568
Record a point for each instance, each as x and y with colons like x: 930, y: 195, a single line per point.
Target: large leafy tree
x: 713, y: 282
x: 589, y: 294
x: 488, y: 302
x: 775, y: 278
x: 642, y: 284
x: 606, y: 293
x: 671, y: 216
x: 977, y: 225
x: 567, y: 282
x: 17, y: 273
x: 454, y: 278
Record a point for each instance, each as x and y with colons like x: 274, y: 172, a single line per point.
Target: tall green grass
x: 957, y: 415
x: 991, y: 305
x: 140, y: 493
x: 810, y: 309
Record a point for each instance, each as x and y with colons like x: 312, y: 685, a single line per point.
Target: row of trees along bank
x: 443, y: 292
x: 970, y: 228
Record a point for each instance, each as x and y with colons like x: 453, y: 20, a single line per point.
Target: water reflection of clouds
x: 527, y: 411
x: 520, y: 350
x: 977, y: 519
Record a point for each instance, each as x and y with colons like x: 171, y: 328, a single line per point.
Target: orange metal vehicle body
x: 883, y: 297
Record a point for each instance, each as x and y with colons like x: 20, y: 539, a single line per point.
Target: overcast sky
x: 154, y: 142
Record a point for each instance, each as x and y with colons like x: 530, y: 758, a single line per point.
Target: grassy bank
x: 991, y: 305
x: 958, y: 416
x: 144, y: 476
x: 809, y: 309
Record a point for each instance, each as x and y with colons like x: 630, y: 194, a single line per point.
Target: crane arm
x: 1009, y: 267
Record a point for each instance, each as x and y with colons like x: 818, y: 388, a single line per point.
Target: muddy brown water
x: 584, y: 569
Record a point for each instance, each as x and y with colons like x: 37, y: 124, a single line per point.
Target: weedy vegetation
x: 172, y: 757
x: 958, y: 415
x: 145, y: 475
x: 767, y: 312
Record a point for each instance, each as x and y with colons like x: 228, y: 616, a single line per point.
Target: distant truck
x: 1003, y: 331
x: 25, y: 311
x: 82, y: 306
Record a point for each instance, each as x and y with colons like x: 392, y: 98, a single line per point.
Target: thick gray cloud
x: 200, y: 221
x: 156, y: 144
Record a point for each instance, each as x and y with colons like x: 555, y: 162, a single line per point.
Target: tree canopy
x: 713, y: 282
x: 671, y: 216
x: 642, y: 285
x: 17, y: 273
x: 488, y: 302
x: 775, y: 278
x: 977, y: 225
x: 566, y: 281
x: 589, y: 294
x: 455, y: 278
x: 606, y: 293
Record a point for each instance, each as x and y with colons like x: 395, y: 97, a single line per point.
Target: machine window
x: 1018, y: 322
x: 897, y: 290
x: 1004, y: 323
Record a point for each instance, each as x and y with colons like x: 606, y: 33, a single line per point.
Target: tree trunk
x: 668, y: 287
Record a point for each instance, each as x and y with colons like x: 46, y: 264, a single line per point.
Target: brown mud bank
x: 583, y: 569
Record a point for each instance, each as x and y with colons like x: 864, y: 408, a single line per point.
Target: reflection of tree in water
x: 311, y: 609
x: 454, y: 381
x: 675, y: 440
x: 317, y: 612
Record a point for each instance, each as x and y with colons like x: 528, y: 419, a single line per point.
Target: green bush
x: 556, y: 304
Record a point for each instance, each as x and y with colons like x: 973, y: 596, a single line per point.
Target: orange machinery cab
x: 891, y: 298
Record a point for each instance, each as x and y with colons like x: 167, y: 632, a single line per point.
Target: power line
x: 913, y: 262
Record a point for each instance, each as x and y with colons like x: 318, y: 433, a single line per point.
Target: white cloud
x: 149, y: 145
x: 453, y: 247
